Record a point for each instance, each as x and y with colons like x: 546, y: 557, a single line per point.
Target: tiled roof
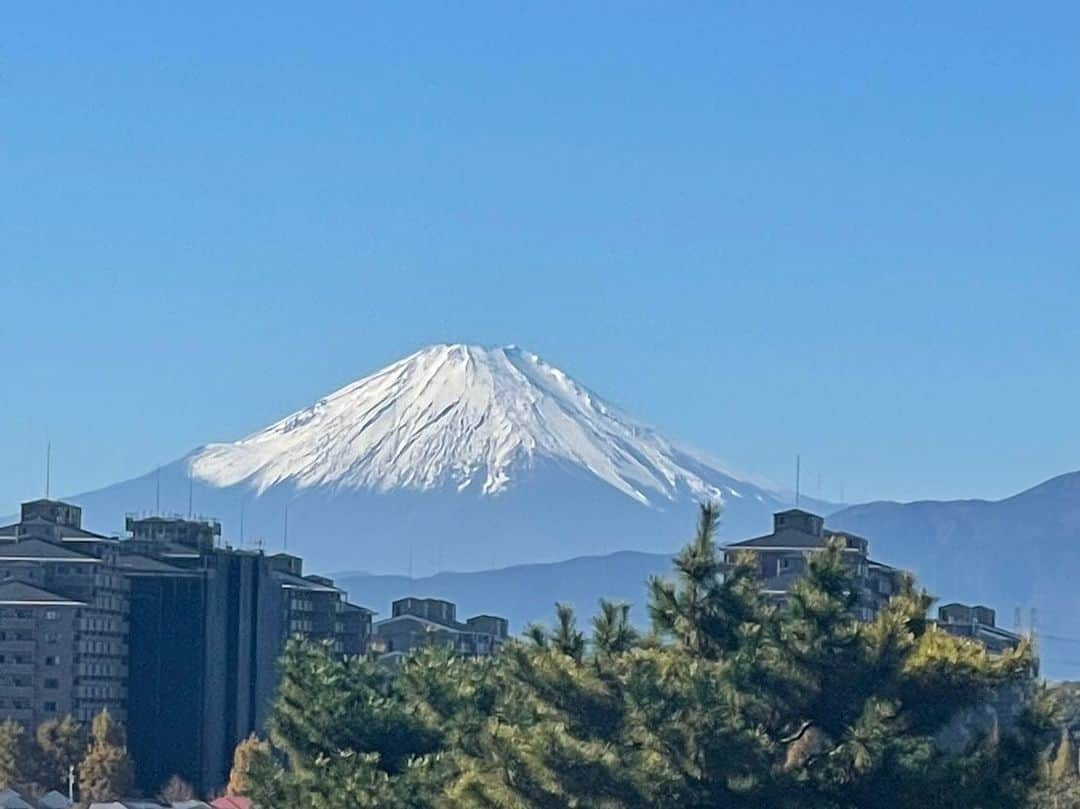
x: 292, y: 582
x: 791, y: 538
x: 34, y: 549
x: 13, y: 592
x: 785, y: 538
x: 64, y: 531
x: 231, y: 802
x: 136, y: 563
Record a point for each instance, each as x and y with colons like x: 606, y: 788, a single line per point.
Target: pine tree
x: 732, y: 701
x: 246, y: 757
x: 106, y: 772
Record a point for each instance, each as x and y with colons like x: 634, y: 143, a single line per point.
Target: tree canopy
x: 731, y: 700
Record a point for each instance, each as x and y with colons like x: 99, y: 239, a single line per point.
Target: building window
x: 51, y: 683
x: 52, y: 660
x: 51, y: 615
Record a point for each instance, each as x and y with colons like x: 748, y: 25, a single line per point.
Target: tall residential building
x: 782, y: 557
x: 316, y: 609
x: 208, y: 624
x: 416, y: 622
x: 63, y: 618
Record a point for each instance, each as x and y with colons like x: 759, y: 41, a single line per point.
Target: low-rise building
x: 316, y: 609
x: 782, y: 558
x: 416, y: 622
x: 978, y: 623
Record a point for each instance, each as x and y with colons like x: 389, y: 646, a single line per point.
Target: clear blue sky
x: 844, y: 231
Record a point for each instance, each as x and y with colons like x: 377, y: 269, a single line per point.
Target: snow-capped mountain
x: 460, y: 416
x: 455, y: 457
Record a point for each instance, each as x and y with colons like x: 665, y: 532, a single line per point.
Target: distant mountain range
x: 1020, y: 552
x: 456, y: 457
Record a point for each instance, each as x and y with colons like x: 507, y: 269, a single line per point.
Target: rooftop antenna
x: 798, y: 478
x: 157, y: 491
x: 48, y: 468
x: 242, y: 502
x: 190, y: 493
x: 1018, y: 622
x: 285, y: 534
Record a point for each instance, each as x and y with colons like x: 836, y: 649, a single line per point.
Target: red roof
x: 231, y: 802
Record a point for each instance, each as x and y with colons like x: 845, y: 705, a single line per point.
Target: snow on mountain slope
x: 455, y: 457
x: 461, y: 416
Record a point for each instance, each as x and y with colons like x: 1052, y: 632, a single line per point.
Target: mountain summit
x: 461, y: 416
x: 455, y: 457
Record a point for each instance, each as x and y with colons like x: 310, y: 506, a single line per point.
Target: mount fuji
x: 456, y: 457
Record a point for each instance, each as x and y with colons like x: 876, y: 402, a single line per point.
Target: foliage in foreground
x: 729, y: 702
x: 37, y: 764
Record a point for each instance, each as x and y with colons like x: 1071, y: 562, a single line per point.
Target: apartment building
x: 416, y: 622
x: 64, y: 610
x: 782, y: 557
x: 208, y: 625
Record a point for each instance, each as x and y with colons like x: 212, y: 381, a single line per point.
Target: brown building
x: 782, y: 557
x: 63, y: 618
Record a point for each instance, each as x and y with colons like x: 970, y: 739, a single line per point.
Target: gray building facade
x: 416, y: 622
x: 64, y: 608
x: 208, y: 625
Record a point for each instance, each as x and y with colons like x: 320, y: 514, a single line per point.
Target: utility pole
x: 71, y: 783
x: 48, y: 469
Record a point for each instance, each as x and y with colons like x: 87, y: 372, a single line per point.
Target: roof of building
x: 350, y: 607
x: 54, y: 799
x: 793, y: 538
x: 40, y: 550
x: 784, y: 538
x: 64, y: 531
x: 138, y: 564
x: 457, y: 627
x: 291, y: 581
x: 15, y: 592
x: 10, y: 799
x: 231, y: 802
